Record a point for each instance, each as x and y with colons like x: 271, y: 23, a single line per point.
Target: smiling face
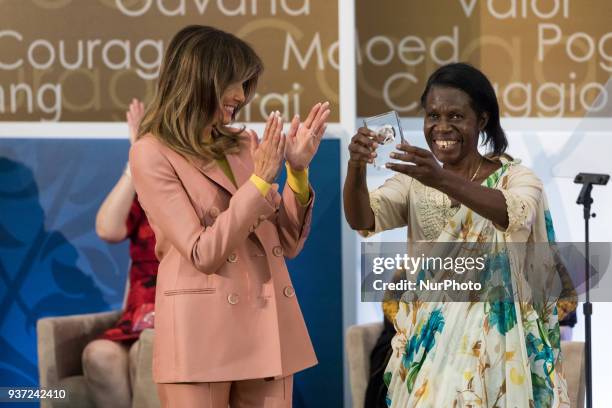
x: 232, y: 98
x: 451, y: 126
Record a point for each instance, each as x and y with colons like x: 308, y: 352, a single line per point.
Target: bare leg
x: 133, y: 353
x: 105, y: 365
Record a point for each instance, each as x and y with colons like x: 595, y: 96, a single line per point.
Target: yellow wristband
x: 262, y: 185
x: 298, y: 182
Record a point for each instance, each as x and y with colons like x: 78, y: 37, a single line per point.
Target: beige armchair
x: 61, y: 341
x: 360, y: 340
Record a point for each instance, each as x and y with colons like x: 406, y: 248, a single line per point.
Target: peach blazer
x: 225, y: 308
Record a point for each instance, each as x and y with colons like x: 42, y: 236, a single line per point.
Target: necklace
x: 477, y: 170
x: 448, y: 203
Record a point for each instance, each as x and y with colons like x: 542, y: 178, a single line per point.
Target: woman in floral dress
x: 483, y: 353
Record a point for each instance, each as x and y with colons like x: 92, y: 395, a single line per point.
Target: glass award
x: 389, y: 133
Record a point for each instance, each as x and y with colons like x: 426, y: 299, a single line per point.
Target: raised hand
x: 134, y: 115
x: 304, y: 138
x: 362, y: 148
x: 268, y: 155
x: 418, y: 163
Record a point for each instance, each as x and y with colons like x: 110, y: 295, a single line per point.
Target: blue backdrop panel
x: 53, y: 264
x: 317, y: 276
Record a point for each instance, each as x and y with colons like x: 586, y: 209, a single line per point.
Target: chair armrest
x: 360, y: 340
x: 144, y: 390
x: 61, y: 341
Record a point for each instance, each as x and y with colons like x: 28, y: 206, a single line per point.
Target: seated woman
x: 106, y: 361
x: 468, y: 353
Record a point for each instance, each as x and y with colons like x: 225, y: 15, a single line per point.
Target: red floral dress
x: 138, y: 313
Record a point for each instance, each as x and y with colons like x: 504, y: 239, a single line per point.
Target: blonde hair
x: 199, y: 65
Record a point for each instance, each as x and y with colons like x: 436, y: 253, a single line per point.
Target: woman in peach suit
x: 229, y: 329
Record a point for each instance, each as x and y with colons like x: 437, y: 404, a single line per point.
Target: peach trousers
x: 257, y: 393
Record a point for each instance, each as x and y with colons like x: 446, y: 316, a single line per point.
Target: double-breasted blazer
x: 225, y: 307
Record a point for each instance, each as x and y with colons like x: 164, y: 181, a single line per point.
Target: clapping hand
x: 304, y: 138
x: 134, y: 115
x: 268, y: 154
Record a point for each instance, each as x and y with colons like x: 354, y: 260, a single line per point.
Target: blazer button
x: 233, y: 298
x: 252, y: 228
x: 289, y: 291
x: 233, y: 258
x: 277, y: 251
x: 262, y: 218
x: 214, y: 212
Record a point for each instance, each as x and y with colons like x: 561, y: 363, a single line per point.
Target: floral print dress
x: 503, y: 354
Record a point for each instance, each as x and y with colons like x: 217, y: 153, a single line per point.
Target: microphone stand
x: 588, y: 180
